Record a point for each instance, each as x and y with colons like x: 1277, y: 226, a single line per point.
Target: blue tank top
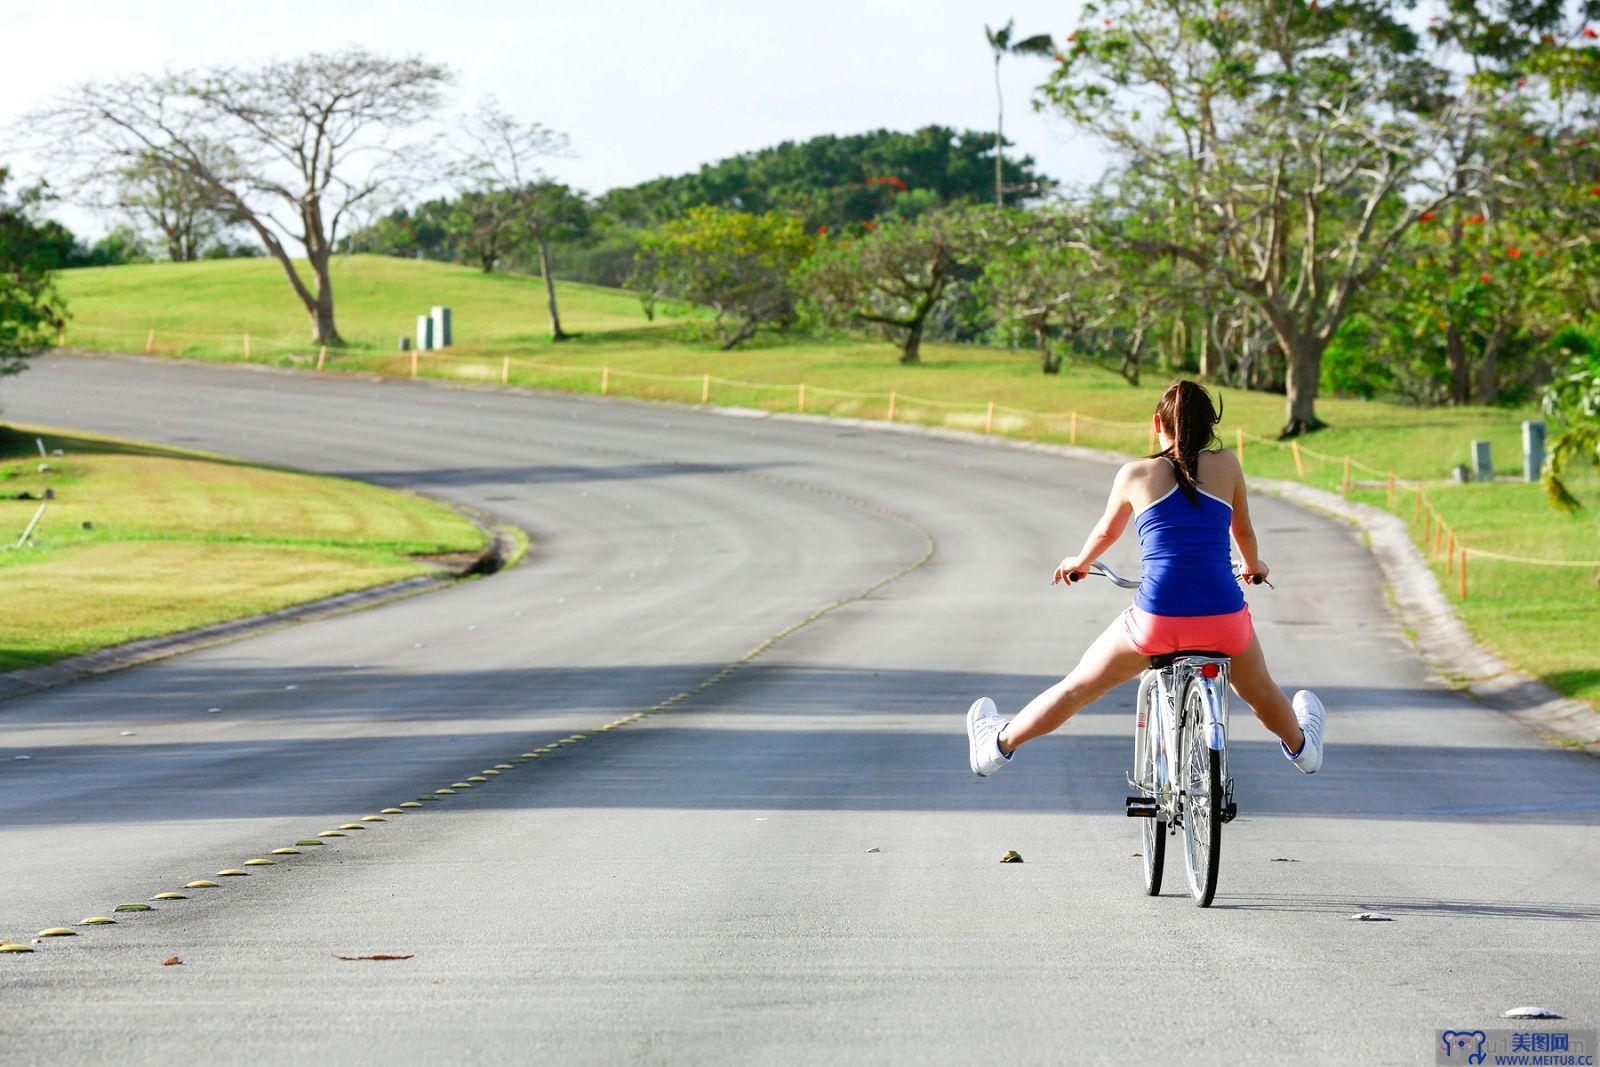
x: 1186, y: 556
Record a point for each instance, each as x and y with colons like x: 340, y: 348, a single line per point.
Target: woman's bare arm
x: 1244, y: 531
x: 1119, y: 506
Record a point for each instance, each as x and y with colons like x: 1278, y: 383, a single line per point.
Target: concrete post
x: 441, y: 327
x: 1532, y: 450
x: 424, y: 332
x: 1482, y: 462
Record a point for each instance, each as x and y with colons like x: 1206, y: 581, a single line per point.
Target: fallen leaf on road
x: 171, y: 961
x: 379, y: 956
x: 1011, y: 857
x: 874, y: 849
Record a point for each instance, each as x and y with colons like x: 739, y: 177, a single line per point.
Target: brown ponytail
x: 1189, y: 418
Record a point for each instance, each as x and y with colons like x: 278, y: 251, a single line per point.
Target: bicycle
x: 1182, y: 709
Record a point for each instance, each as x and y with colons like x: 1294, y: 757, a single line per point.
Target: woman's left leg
x: 1109, y: 662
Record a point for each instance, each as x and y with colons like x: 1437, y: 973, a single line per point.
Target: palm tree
x: 1000, y: 44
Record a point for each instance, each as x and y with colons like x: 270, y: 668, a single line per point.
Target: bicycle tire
x: 1202, y: 824
x: 1152, y: 831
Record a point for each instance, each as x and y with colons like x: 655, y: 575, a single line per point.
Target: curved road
x: 791, y: 863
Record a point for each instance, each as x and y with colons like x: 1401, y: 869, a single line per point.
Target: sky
x: 642, y: 88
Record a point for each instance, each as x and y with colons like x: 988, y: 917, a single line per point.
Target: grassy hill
x: 141, y: 540
x: 1542, y: 618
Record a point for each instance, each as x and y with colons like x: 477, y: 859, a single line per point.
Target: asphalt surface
x: 792, y: 864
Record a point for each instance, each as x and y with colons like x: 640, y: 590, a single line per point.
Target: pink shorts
x: 1157, y: 635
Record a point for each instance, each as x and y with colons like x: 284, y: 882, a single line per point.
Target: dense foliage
x: 30, y: 310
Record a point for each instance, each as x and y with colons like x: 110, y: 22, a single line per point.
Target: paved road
x: 791, y: 864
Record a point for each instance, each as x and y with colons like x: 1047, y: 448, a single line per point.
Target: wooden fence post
x: 1072, y: 438
x: 1346, y: 489
x: 605, y: 380
x: 800, y: 403
x: 1238, y: 436
x: 414, y: 363
x: 1419, y: 505
x: 988, y: 419
x: 505, y: 371
x: 1152, y: 437
x: 705, y: 389
x: 246, y: 346
x: 891, y: 405
x: 61, y: 337
x: 149, y: 342
x: 1299, y: 464
x: 1450, y: 552
x: 322, y: 356
x: 1390, y: 499
x: 1463, y: 572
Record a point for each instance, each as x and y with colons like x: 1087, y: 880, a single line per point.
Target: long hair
x: 1190, y: 419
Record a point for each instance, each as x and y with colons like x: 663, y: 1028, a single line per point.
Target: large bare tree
x: 289, y: 147
x: 507, y: 198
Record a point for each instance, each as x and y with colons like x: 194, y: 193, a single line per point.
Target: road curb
x: 504, y: 548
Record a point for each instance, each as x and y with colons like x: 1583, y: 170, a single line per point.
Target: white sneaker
x: 1309, y: 712
x: 983, y: 737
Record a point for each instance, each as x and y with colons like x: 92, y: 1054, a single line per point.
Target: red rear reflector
x: 1210, y: 670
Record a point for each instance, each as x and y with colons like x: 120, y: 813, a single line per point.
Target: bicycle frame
x: 1162, y: 715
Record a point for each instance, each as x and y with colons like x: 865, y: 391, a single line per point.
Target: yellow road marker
x: 169, y: 896
x: 373, y: 818
x: 445, y: 792
x: 332, y: 833
x: 15, y: 948
x: 392, y: 811
x: 133, y: 907
x: 232, y: 872
x: 258, y: 863
x: 410, y: 804
x: 58, y: 931
x: 352, y: 826
x: 201, y: 883
x: 477, y: 778
x: 284, y: 852
x: 98, y: 920
x: 309, y: 841
x: 502, y: 766
x: 460, y: 785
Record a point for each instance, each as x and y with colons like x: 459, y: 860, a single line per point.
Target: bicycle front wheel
x: 1200, y: 777
x: 1152, y: 830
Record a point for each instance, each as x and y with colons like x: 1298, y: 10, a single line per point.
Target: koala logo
x: 1462, y: 1040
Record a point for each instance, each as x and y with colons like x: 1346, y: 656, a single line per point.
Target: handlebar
x: 1130, y: 583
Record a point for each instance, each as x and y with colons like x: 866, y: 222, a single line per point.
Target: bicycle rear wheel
x: 1199, y: 774
x: 1152, y: 831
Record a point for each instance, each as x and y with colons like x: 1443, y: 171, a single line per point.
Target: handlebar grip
x: 1075, y: 576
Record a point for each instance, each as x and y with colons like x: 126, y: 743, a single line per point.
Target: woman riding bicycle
x: 1183, y: 501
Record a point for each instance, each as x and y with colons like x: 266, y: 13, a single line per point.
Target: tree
x: 736, y: 263
x: 1574, y: 398
x: 183, y: 212
x: 833, y: 181
x: 514, y: 201
x: 289, y: 147
x: 1295, y: 146
x: 1001, y: 45
x: 30, y: 309
x: 890, y: 278
x: 1042, y: 275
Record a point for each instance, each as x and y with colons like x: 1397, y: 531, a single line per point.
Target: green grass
x: 1539, y: 618
x: 141, y: 541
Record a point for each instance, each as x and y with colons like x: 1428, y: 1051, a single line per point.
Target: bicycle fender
x: 1211, y: 702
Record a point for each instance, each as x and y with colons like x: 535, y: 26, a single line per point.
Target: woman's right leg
x: 1109, y: 662
x: 1253, y: 683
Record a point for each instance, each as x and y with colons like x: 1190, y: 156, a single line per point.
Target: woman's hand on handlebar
x: 1255, y: 574
x: 1071, y: 570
